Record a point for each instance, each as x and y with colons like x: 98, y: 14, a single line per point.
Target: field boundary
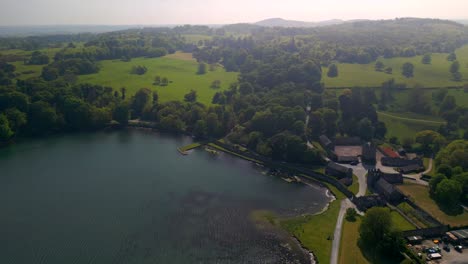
x: 412, y: 119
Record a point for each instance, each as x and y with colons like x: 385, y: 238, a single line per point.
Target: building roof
x: 460, y: 234
x: 414, y: 238
x: 347, y: 158
x: 325, y: 140
x: 368, y: 150
x: 411, y: 168
x: 338, y: 167
x: 390, y: 152
x: 385, y: 186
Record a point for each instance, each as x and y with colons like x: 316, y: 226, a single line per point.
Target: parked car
x: 447, y: 248
x: 354, y: 163
x: 459, y: 248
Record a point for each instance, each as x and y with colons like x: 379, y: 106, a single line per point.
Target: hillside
x: 279, y: 22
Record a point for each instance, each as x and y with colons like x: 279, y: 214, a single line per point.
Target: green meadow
x: 406, y: 125
x: 179, y: 68
x: 435, y: 74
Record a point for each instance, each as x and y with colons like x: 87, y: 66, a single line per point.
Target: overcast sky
x: 150, y: 12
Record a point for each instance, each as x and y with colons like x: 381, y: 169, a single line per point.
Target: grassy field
x: 420, y: 195
x: 350, y: 253
x: 354, y: 188
x: 434, y: 75
x: 316, y: 231
x: 179, y: 68
x: 400, y: 222
x: 402, y: 126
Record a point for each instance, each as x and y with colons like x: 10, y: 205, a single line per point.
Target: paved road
x: 345, y: 204
x: 360, y: 171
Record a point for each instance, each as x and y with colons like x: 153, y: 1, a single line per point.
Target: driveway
x: 345, y: 204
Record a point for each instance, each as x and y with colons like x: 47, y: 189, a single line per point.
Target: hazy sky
x: 51, y: 12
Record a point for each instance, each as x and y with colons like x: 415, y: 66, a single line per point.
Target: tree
x: 191, y: 96
x: 452, y: 57
x: 365, y: 129
x: 430, y: 140
x: 16, y: 118
x: 5, y: 130
x: 123, y: 91
x: 216, y: 84
x: 408, y: 70
x: 378, y: 235
x: 139, y: 70
x: 121, y: 113
x: 164, y: 81
x: 445, y: 170
x: 157, y: 80
x: 379, y: 66
x: 455, y: 71
x: 426, y: 59
x: 201, y: 68
x: 42, y: 118
x: 351, y: 214
x: 454, y: 67
x: 389, y: 70
x: 449, y: 103
x: 49, y: 73
x: 438, y: 178
x: 200, y: 129
x: 448, y: 193
x: 143, y: 98
x: 332, y: 71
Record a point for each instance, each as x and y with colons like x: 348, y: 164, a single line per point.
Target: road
x: 345, y: 204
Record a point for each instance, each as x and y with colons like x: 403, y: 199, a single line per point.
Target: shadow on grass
x: 374, y: 258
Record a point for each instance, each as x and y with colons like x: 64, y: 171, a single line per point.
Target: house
x: 338, y: 171
x: 369, y: 153
x: 411, y: 168
x: 326, y: 142
x: 388, y: 191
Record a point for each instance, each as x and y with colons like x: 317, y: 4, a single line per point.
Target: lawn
x: 350, y: 253
x: 404, y: 127
x: 420, y: 195
x: 400, y: 222
x: 354, y: 188
x: 316, y: 231
x: 180, y: 69
x: 435, y: 74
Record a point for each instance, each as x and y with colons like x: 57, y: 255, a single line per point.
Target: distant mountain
x: 462, y: 21
x: 23, y: 31
x: 279, y: 22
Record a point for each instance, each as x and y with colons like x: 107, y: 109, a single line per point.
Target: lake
x: 130, y: 197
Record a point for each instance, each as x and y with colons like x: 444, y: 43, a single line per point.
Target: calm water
x: 129, y: 197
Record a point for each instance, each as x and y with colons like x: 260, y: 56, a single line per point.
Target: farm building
x: 388, y: 191
x: 339, y: 171
x: 369, y: 153
x: 374, y: 175
x: 412, y: 168
x: 461, y: 235
x: 326, y: 142
x: 389, y: 152
x: 400, y: 162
